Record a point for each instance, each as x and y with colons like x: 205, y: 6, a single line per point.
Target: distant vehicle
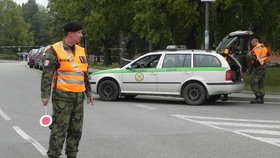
x: 39, y: 58
x: 42, y: 59
x: 198, y: 76
x: 31, y: 57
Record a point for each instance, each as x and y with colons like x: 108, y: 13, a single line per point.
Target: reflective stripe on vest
x: 70, y: 75
x: 70, y: 57
x: 261, y: 53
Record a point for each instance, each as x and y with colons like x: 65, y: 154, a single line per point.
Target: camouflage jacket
x: 50, y: 68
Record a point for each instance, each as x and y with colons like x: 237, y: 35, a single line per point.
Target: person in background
x: 225, y: 55
x: 258, y: 58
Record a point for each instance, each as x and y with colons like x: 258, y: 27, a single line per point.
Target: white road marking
x: 5, y: 116
x: 226, y: 119
x: 257, y: 131
x: 239, y: 124
x: 268, y: 136
x: 33, y: 141
x: 144, y: 106
x: 185, y: 117
x: 271, y: 141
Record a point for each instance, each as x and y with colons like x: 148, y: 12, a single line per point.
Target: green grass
x: 271, y: 81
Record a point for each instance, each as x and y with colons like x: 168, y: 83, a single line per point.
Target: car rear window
x: 203, y: 60
x: 34, y: 51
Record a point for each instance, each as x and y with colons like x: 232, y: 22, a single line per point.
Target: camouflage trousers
x: 67, y: 125
x: 257, y: 81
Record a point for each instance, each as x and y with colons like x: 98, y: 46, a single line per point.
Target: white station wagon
x: 198, y: 76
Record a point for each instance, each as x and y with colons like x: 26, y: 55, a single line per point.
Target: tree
x: 40, y: 22
x: 44, y: 29
x: 185, y: 22
x: 151, y: 22
x: 142, y: 25
x: 104, y: 23
x: 260, y: 16
x: 13, y: 29
x: 164, y: 22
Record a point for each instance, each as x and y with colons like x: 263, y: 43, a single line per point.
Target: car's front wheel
x: 108, y: 90
x: 194, y: 94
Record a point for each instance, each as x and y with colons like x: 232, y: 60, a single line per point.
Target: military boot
x: 254, y: 101
x: 257, y: 100
x: 260, y: 100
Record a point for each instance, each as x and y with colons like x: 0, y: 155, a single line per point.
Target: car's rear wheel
x: 213, y: 98
x: 108, y: 90
x: 194, y: 94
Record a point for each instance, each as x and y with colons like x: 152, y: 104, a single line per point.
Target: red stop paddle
x: 46, y: 120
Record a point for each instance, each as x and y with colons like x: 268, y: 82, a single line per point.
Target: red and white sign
x: 46, y: 120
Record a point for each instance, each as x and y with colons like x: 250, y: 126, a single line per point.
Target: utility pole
x: 207, y: 3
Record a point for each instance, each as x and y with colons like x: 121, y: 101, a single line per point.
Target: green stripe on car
x: 161, y: 70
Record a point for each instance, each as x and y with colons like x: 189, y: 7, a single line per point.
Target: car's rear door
x: 175, y: 69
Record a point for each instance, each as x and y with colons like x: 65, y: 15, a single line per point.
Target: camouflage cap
x: 72, y: 27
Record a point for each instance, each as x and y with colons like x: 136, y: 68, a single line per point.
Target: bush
x: 271, y: 81
x: 8, y: 57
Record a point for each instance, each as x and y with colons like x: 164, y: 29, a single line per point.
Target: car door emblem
x: 139, y: 77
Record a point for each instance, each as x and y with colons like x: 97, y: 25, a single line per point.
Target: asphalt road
x: 144, y: 127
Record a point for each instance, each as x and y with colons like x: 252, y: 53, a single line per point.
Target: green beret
x: 72, y: 27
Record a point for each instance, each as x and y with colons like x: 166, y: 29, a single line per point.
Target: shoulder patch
x: 46, y: 63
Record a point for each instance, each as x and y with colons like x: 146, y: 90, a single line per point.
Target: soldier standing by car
x: 66, y: 71
x: 225, y: 54
x: 258, y: 57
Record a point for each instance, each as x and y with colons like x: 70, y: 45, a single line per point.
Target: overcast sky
x: 41, y: 2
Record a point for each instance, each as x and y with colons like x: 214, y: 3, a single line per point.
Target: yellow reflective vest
x: 70, y: 75
x: 261, y: 53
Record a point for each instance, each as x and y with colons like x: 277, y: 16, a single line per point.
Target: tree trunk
x: 150, y: 46
x: 107, y: 55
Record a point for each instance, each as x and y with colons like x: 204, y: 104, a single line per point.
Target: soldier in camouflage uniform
x: 64, y: 62
x: 258, y: 57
